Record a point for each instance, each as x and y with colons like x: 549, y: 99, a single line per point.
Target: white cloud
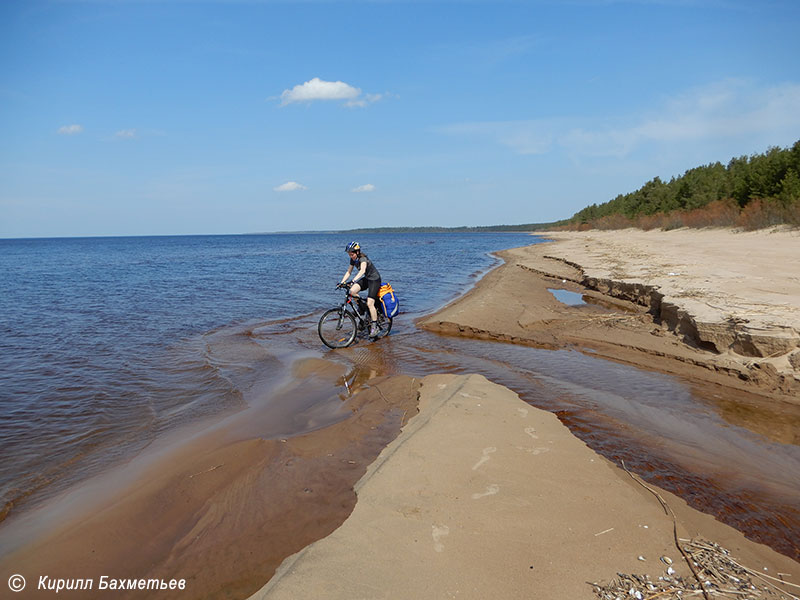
x: 365, y: 188
x: 714, y: 113
x: 290, y: 186
x: 317, y: 89
x: 70, y: 129
x: 126, y: 134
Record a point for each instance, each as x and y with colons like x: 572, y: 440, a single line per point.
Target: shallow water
x: 108, y: 343
x: 567, y: 297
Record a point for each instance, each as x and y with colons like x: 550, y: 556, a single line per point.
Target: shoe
x: 373, y: 329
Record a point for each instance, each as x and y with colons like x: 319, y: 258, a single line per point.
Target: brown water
x: 727, y: 453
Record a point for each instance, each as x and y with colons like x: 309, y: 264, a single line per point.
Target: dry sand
x: 739, y: 291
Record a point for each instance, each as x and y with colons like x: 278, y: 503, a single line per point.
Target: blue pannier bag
x: 388, y: 300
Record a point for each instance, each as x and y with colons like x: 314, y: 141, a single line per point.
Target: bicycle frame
x: 350, y: 305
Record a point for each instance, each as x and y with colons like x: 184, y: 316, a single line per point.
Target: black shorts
x: 372, y: 286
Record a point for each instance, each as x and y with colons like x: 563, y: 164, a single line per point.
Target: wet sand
x: 479, y: 495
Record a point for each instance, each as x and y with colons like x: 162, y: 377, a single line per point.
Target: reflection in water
x: 567, y: 297
x: 719, y: 450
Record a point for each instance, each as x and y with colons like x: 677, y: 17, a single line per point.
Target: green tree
x: 789, y: 188
x: 773, y: 175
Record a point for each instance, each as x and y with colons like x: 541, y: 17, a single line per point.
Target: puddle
x: 567, y: 297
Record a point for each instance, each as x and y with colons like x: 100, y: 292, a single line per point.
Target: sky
x: 157, y: 117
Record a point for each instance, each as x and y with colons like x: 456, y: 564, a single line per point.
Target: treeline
x: 750, y: 191
x: 482, y: 229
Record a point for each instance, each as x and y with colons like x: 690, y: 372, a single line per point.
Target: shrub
x: 758, y: 214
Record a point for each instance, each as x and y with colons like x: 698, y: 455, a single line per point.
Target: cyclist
x: 367, y: 278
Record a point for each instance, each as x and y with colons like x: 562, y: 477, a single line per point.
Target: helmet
x: 352, y: 247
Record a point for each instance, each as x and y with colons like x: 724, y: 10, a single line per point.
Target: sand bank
x: 714, y: 305
x: 482, y: 496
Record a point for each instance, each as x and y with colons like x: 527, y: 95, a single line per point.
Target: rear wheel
x: 384, y: 325
x: 337, y: 328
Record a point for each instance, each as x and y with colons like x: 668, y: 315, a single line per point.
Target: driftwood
x: 715, y: 574
x: 720, y: 576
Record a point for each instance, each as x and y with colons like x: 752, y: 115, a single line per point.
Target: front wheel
x: 337, y: 328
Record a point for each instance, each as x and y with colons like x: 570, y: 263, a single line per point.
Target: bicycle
x: 338, y: 327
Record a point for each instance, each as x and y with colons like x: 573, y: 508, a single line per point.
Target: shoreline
x: 219, y: 502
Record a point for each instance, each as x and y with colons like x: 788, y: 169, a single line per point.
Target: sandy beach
x: 450, y: 485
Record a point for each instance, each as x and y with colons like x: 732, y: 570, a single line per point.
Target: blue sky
x: 192, y: 117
